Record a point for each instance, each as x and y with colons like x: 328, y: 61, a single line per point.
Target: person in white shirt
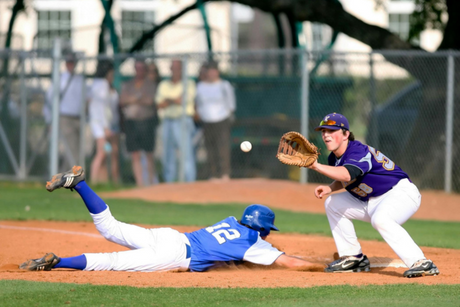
x: 215, y: 106
x: 70, y: 107
x: 105, y: 123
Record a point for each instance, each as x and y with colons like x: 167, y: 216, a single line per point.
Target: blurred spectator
x: 153, y: 73
x: 202, y: 72
x: 139, y: 112
x: 198, y: 138
x: 202, y: 76
x: 105, y: 123
x: 215, y: 105
x: 71, y: 102
x: 171, y: 111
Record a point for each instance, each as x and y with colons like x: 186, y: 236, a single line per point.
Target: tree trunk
x: 18, y: 6
x: 5, y: 97
x: 451, y: 39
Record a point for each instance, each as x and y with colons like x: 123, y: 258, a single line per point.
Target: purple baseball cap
x: 333, y: 121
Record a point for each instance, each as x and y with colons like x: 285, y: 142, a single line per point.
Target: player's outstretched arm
x: 339, y: 173
x: 291, y: 262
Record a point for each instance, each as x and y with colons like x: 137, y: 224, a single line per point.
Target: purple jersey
x: 379, y: 173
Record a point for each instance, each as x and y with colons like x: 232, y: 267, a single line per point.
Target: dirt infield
x: 21, y: 240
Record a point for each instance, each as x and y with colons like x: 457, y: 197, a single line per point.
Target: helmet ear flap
x: 264, y: 232
x: 259, y: 218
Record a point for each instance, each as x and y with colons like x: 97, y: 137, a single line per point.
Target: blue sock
x: 93, y: 202
x: 359, y: 255
x: 78, y: 262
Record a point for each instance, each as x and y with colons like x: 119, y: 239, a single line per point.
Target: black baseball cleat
x: 67, y: 179
x: 349, y: 264
x: 422, y: 267
x: 45, y: 263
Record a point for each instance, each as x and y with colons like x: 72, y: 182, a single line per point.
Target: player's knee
x: 381, y: 222
x: 329, y: 205
x: 108, y: 229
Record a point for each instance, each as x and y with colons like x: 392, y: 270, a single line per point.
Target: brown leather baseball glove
x: 295, y: 149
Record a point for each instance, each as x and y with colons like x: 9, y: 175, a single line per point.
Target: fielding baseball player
x: 165, y: 249
x: 377, y: 191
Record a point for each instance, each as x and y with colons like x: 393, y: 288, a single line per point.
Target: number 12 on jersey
x: 222, y: 235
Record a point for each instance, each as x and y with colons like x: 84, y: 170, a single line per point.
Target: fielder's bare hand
x: 322, y: 190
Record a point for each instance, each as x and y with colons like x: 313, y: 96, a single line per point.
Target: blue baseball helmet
x: 260, y: 218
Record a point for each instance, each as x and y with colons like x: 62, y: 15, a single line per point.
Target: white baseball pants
x: 160, y: 249
x: 386, y: 213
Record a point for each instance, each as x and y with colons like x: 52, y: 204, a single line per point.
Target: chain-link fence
x: 402, y: 103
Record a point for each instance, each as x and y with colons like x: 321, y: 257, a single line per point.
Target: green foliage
x: 27, y: 293
x: 428, y: 14
x: 64, y: 205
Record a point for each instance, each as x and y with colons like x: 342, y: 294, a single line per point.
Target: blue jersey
x: 226, y: 241
x: 379, y: 173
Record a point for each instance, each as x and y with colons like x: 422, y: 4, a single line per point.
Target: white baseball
x: 246, y: 146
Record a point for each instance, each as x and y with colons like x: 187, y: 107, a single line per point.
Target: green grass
x: 64, y: 205
x: 27, y: 293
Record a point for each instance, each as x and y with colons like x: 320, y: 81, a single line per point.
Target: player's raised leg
x: 130, y: 236
x: 75, y: 179
x: 72, y: 179
x: 124, y: 234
